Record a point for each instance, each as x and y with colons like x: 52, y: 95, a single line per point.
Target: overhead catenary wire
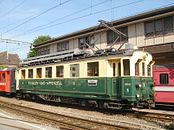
x: 14, y: 8
x: 36, y: 16
x: 76, y: 18
x: 68, y: 15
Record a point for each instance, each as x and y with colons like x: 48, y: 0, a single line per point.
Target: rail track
x: 72, y: 123
x: 153, y: 115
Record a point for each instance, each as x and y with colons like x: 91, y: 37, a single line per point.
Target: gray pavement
x: 10, y: 122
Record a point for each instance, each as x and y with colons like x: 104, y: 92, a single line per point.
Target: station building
x: 152, y: 31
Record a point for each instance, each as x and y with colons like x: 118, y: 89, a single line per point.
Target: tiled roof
x: 9, y: 59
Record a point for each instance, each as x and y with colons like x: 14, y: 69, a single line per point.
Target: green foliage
x: 38, y: 40
x: 41, y: 39
x: 32, y: 53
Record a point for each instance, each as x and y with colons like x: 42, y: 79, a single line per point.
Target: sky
x: 25, y: 20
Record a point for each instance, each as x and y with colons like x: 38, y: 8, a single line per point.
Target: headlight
x: 138, y: 95
x: 139, y: 85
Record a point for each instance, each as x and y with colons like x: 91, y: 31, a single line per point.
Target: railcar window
x: 137, y: 68
x: 113, y: 69
x: 164, y: 78
x: 22, y: 74
x: 30, y: 73
x: 93, y: 69
x: 126, y: 66
x: 119, y: 69
x: 149, y: 69
x: 39, y: 72
x: 143, y: 69
x: 48, y: 72
x: 59, y: 71
x: 74, y: 70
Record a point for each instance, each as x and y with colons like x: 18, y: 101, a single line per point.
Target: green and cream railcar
x: 110, y: 81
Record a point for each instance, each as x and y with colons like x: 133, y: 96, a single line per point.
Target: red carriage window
x: 3, y: 77
x: 164, y: 78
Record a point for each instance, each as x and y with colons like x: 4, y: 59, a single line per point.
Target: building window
x: 74, y: 70
x: 39, y: 72
x: 59, y: 71
x: 86, y: 42
x: 159, y: 27
x: 164, y: 78
x: 63, y: 46
x: 126, y: 66
x: 30, y: 73
x: 22, y: 74
x: 93, y: 69
x: 43, y: 51
x: 149, y: 28
x: 168, y: 25
x: 112, y: 36
x: 48, y: 72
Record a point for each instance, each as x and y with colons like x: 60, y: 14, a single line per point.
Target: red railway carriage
x: 7, y: 80
x: 163, y: 77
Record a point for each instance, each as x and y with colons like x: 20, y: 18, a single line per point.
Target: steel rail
x: 69, y: 122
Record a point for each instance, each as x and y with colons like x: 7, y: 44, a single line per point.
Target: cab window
x: 22, y: 74
x: 126, y: 67
x: 149, y: 69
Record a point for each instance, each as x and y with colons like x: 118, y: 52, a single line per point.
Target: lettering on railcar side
x: 50, y: 83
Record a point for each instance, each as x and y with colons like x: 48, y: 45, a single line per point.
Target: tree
x: 38, y: 40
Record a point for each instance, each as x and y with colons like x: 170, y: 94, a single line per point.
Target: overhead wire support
x: 111, y: 27
x: 12, y: 41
